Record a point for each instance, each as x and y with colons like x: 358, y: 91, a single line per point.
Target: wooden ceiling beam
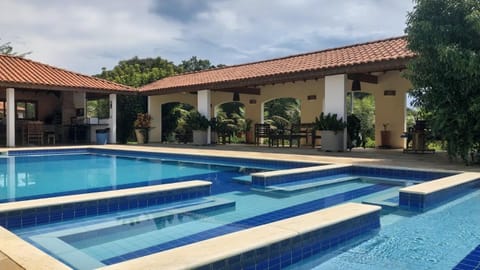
x: 363, y: 77
x: 241, y: 90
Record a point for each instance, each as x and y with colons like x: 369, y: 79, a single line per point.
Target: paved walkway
x: 383, y: 157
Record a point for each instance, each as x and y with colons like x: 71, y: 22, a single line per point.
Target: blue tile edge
x: 264, y: 182
x: 424, y: 202
x: 471, y: 261
x: 290, y: 251
x: 17, y: 219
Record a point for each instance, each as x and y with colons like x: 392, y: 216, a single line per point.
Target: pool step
x: 386, y: 201
x: 309, y: 184
x: 391, y: 181
x: 244, y: 179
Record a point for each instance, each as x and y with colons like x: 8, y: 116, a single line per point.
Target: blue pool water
x: 95, y: 241
x: 40, y: 176
x: 438, y: 239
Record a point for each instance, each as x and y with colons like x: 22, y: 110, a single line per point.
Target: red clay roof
x: 373, y: 56
x: 23, y: 73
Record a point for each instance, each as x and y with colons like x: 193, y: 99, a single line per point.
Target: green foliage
x: 197, y: 121
x: 445, y: 35
x: 353, y: 131
x: 282, y: 111
x: 329, y: 122
x: 194, y: 64
x: 364, y: 109
x: 7, y: 49
x: 137, y: 72
x: 173, y: 119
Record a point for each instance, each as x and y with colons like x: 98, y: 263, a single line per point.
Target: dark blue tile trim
x: 257, y: 220
x: 264, y: 182
x: 420, y: 202
x: 290, y: 251
x: 62, y: 212
x: 471, y: 261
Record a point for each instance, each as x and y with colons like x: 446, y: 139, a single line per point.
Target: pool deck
x: 358, y: 156
x: 13, y: 258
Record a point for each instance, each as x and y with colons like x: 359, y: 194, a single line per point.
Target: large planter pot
x: 140, y: 134
x: 200, y: 137
x: 332, y: 141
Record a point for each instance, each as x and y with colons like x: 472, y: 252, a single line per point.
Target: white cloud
x: 86, y: 35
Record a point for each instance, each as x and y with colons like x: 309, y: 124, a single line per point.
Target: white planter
x: 200, y: 137
x: 331, y: 141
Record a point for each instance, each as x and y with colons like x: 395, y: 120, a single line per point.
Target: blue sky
x: 86, y: 35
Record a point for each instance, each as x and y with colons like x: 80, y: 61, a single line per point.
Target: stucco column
x: 335, y: 94
x: 113, y: 118
x: 203, y: 104
x: 10, y: 117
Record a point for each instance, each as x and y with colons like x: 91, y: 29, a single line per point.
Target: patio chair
x: 299, y: 132
x: 33, y: 133
x: 262, y: 131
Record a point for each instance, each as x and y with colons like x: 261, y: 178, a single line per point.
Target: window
x: 98, y: 108
x: 26, y: 110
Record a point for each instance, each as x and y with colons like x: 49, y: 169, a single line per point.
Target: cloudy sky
x: 86, y: 35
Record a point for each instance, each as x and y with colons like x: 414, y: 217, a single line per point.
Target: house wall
x: 388, y: 109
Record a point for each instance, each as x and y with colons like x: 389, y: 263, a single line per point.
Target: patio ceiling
x: 358, y: 61
x: 22, y: 73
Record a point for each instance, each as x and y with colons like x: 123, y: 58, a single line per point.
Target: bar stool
x: 50, y: 138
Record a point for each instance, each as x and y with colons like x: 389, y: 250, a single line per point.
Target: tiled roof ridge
x: 291, y: 56
x: 68, y: 71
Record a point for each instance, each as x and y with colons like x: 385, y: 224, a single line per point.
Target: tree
x: 194, y: 64
x: 135, y: 72
x: 7, y: 49
x: 445, y: 35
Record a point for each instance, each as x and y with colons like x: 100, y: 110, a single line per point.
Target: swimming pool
x: 36, y: 175
x: 93, y: 241
x: 438, y: 239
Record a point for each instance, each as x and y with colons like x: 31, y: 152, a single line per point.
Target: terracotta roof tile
x: 332, y: 59
x: 24, y: 73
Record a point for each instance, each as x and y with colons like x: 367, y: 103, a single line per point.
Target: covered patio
x: 41, y: 104
x: 319, y: 80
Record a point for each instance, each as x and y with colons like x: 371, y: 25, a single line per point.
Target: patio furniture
x: 279, y: 135
x: 33, y: 133
x: 262, y: 131
x: 303, y: 131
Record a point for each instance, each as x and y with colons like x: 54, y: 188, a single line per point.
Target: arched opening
x: 173, y: 122
x: 230, y: 123
x: 282, y: 112
x: 362, y: 105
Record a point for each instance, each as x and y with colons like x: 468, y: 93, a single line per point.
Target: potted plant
x: 385, y: 136
x: 198, y: 124
x: 142, y: 126
x: 332, y: 131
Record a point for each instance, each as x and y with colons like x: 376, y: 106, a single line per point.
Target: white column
x: 10, y: 117
x: 113, y: 118
x: 203, y: 105
x: 335, y: 94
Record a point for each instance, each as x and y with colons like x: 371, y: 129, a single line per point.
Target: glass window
x: 26, y: 110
